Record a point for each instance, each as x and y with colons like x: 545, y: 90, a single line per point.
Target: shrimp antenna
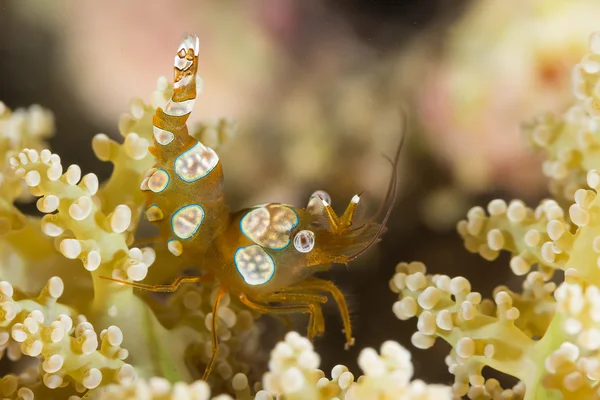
x: 392, y: 189
x: 390, y: 197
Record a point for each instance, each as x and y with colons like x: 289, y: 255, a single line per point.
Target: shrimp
x: 265, y: 255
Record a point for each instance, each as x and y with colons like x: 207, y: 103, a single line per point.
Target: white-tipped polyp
x: 101, y: 145
x: 114, y: 335
x: 49, y: 227
x: 92, y: 261
x: 70, y: 248
x: 73, y: 174
x: 126, y: 374
x: 120, y: 219
x: 137, y: 272
x: 32, y: 178
x: 355, y: 199
x: 52, y: 381
x: 53, y: 363
x: 92, y: 379
x: 45, y: 155
x: 90, y: 181
x: 55, y: 287
x: 33, y: 155
x: 81, y: 208
x: 595, y: 42
x: 6, y: 289
x: 148, y: 256
x: 48, y: 204
x: 23, y: 158
x: 54, y: 172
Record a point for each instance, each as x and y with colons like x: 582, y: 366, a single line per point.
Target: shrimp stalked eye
x: 304, y: 241
x: 321, y: 194
x: 315, y: 203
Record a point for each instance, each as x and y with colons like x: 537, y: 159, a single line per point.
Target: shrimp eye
x: 304, y: 241
x: 323, y: 195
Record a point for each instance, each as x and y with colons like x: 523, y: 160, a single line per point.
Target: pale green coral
x: 476, y: 328
x: 547, y: 337
x: 294, y: 374
x: 22, y: 245
x: 18, y: 129
x: 571, y: 141
x: 43, y: 328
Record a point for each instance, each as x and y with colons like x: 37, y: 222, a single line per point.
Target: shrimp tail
x: 169, y: 123
x: 185, y: 184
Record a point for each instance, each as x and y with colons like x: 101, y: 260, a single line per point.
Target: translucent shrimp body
x: 265, y: 255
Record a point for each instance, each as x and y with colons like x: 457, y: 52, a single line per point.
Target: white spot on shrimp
x: 187, y: 220
x: 254, y: 264
x: 196, y: 163
x: 269, y: 226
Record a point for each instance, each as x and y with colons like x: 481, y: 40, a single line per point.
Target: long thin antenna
x: 390, y: 196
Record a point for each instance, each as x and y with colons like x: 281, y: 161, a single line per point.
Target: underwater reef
x: 72, y: 332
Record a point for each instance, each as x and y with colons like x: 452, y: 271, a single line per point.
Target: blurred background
x: 316, y: 87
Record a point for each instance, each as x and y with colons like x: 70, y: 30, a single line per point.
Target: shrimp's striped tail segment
x: 184, y: 188
x: 169, y: 123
